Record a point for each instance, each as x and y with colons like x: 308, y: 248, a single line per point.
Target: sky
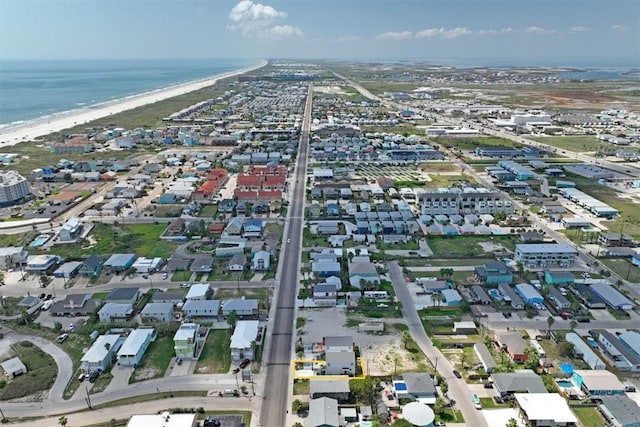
x: 534, y: 32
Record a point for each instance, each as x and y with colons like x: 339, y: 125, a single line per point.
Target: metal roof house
x: 323, y: 412
x: 100, y: 354
x: 485, y: 357
x: 242, y: 307
x: 334, y: 389
x: 157, y: 312
x: 612, y: 297
x: 119, y: 262
x: 244, y: 339
x: 13, y: 367
x: 115, y: 313
x: 124, y: 296
x: 199, y: 309
x: 134, y: 347
x: 583, y: 351
x: 529, y: 294
x: 525, y: 380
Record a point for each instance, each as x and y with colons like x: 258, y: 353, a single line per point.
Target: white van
x: 47, y: 305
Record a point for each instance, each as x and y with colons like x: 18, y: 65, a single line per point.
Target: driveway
x: 120, y: 378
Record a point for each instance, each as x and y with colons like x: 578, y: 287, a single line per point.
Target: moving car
x: 244, y: 363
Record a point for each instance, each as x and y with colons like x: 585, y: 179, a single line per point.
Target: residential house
x: 157, y: 312
x: 333, y: 388
x: 338, y: 343
x: 201, y: 309
x: 623, y: 349
x: 74, y: 305
x: 512, y: 344
x: 237, y: 263
x: 529, y: 294
x: 340, y: 363
x: 124, y: 296
x: 597, y: 383
x: 363, y: 273
x: 101, y: 353
x: 452, y: 298
x: 261, y: 261
x: 325, y: 295
x: 115, y: 313
x: 585, y: 352
x: 71, y: 230
x: 493, y: 273
x: 545, y: 409
x: 510, y: 296
x: 323, y: 268
x: 253, y: 228
x: 507, y: 384
x: 135, y: 346
x: 170, y: 297
x: 118, y: 263
x: 13, y: 367
x: 615, y: 240
x: 559, y: 301
x: 244, y: 340
x: 242, y: 307
x: 620, y: 411
x: 91, y: 267
x: 323, y: 412
x: 199, y: 291
x: 68, y: 270
x: 558, y: 277
x: 420, y: 387
x: 11, y: 257
x: 184, y: 341
x: 484, y: 356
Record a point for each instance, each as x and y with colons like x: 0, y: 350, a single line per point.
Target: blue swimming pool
x: 400, y: 386
x: 495, y: 294
x: 565, y: 384
x: 39, y: 241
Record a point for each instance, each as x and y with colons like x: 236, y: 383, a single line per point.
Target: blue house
x: 261, y: 261
x: 253, y: 227
x: 529, y: 294
x: 558, y: 277
x: 494, y: 273
x: 325, y: 268
x: 451, y: 297
x: 635, y: 260
x: 333, y: 209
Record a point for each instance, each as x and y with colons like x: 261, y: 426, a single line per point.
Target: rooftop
x: 546, y: 406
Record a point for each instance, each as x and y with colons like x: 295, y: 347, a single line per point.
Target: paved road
x: 62, y: 359
x: 280, y: 346
x: 458, y: 389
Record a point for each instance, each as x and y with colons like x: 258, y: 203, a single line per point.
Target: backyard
x: 156, y: 360
x: 215, y: 357
x: 40, y: 376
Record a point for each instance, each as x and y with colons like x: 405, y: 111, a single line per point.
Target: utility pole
x: 88, y: 398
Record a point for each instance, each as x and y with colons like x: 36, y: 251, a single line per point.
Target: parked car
x: 236, y: 370
x: 488, y: 385
x: 457, y: 374
x: 185, y: 285
x: 165, y: 276
x: 62, y: 338
x: 244, y: 363
x: 583, y: 320
x: 94, y: 376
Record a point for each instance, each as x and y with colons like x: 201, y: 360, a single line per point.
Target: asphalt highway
x: 280, y: 338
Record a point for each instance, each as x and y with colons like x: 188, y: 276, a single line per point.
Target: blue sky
x: 518, y: 31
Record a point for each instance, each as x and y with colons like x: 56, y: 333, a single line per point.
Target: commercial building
x: 164, y: 420
x: 13, y: 188
x: 592, y: 204
x: 545, y: 254
x: 134, y: 347
x: 477, y: 201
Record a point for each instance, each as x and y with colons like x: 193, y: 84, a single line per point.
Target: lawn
x: 261, y: 294
x: 623, y: 268
x: 141, y: 239
x: 411, y: 245
x: 301, y: 387
x: 156, y: 360
x: 41, y: 372
x: 102, y: 382
x: 470, y: 144
x: 215, y: 357
x: 588, y: 416
x: 489, y: 403
x: 572, y: 143
x: 450, y: 416
x: 466, y: 246
x: 310, y: 240
x: 181, y: 276
x: 208, y: 211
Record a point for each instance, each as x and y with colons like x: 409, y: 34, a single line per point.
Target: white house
x: 13, y: 367
x: 101, y: 353
x: 242, y: 307
x: 147, y: 265
x: 134, y: 347
x: 198, y: 291
x: 340, y: 363
x: 157, y: 312
x: 201, y: 308
x: 243, y: 339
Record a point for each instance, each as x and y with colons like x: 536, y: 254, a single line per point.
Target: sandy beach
x: 40, y: 127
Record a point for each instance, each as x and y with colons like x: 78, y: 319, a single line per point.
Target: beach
x: 33, y: 129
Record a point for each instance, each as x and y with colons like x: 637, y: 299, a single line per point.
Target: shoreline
x: 32, y: 129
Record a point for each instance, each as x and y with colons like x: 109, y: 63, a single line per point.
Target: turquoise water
x: 34, y: 89
x: 39, y: 241
x: 495, y: 294
x: 565, y: 384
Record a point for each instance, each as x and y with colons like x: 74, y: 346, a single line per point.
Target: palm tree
x: 63, y: 421
x: 550, y: 322
x: 405, y: 338
x: 437, y: 298
x: 573, y: 324
x: 512, y: 423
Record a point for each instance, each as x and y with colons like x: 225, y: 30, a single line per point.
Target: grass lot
x: 208, y: 211
x: 441, y: 181
x: 261, y: 294
x: 101, y: 383
x: 141, y: 239
x: 300, y: 322
x: 438, y: 167
x: 41, y: 372
x: 411, y: 245
x: 181, y: 276
x: 572, y: 143
x: 588, y: 416
x: 22, y: 239
x: 156, y: 360
x: 301, y: 387
x: 466, y: 246
x: 310, y: 240
x: 450, y: 416
x: 622, y: 268
x: 215, y: 357
x: 470, y: 144
x: 489, y: 403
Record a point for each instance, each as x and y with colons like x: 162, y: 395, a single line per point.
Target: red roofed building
x: 264, y: 196
x: 265, y: 170
x: 207, y: 191
x: 261, y: 182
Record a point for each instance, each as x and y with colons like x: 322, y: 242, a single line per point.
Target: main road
x: 458, y: 389
x: 281, y: 325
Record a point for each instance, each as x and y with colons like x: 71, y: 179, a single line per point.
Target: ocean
x: 34, y: 89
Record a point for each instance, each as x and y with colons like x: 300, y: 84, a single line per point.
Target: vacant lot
x: 623, y: 268
x: 156, y: 360
x: 588, y: 415
x: 40, y: 376
x: 572, y: 143
x: 215, y: 357
x: 468, y: 246
x: 470, y: 144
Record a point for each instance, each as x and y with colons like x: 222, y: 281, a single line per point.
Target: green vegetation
x: 41, y: 372
x: 588, y: 416
x: 578, y: 144
x: 141, y: 239
x: 209, y: 211
x: 181, y: 276
x: 623, y: 268
x: 215, y: 357
x: 102, y: 382
x: 300, y: 322
x: 156, y: 360
x: 301, y: 387
x: 466, y: 246
x: 489, y: 403
x: 470, y: 144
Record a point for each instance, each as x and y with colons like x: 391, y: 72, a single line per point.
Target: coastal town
x: 329, y: 244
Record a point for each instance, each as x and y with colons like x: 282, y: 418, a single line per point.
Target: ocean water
x: 34, y: 89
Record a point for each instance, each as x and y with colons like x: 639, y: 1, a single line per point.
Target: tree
x: 444, y: 386
x: 231, y: 318
x: 512, y: 423
x: 44, y: 280
x: 533, y: 361
x: 364, y: 389
x: 464, y: 359
x: 298, y: 424
x: 63, y: 421
x: 406, y: 336
x: 439, y: 405
x: 573, y: 324
x: 437, y: 298
x: 565, y: 348
x: 296, y: 406
x: 520, y: 268
x: 550, y: 322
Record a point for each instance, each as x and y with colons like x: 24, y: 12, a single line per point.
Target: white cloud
x: 445, y: 33
x: 501, y: 31
x: 619, y: 28
x: 258, y: 19
x: 396, y: 35
x: 535, y: 30
x: 284, y: 31
x: 579, y: 29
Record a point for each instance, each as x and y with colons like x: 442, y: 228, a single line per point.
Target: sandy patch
x: 491, y: 247
x: 384, y: 359
x: 145, y: 374
x: 330, y: 90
